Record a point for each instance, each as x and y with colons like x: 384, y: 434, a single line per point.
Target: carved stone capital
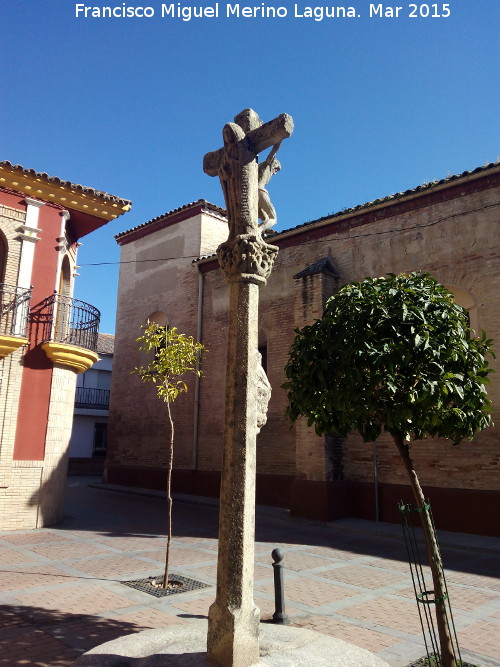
x: 247, y: 258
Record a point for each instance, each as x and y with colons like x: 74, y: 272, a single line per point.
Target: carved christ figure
x: 230, y: 174
x: 267, y: 169
x: 242, y: 179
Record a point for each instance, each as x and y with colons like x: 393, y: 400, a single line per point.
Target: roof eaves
x: 324, y: 265
x: 105, y: 343
x: 205, y: 205
x: 58, y: 182
x: 382, y: 201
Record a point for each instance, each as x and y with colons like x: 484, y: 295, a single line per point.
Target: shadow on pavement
x: 28, y: 632
x: 111, y: 514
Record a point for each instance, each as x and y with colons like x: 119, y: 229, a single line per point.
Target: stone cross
x: 246, y: 260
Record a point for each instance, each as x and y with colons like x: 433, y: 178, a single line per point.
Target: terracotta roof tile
x: 200, y: 202
x: 391, y: 198
x: 105, y: 343
x: 54, y: 180
x: 377, y: 202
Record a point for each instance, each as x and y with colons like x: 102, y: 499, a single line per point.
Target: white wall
x: 82, y: 436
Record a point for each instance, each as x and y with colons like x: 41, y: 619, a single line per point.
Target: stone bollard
x: 279, y: 615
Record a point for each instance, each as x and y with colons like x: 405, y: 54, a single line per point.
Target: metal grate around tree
x: 150, y: 586
x: 424, y: 593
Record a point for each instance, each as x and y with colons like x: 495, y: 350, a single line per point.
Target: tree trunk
x: 447, y: 653
x: 169, y: 495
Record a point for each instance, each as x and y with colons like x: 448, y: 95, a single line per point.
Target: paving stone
x: 363, y: 577
x: 11, y: 556
x: 296, y: 560
x: 65, y: 550
x: 111, y: 566
x: 384, y: 611
x: 29, y: 646
x: 460, y: 597
x: 343, y: 580
x: 363, y: 637
x: 79, y: 599
x: 135, y: 543
x: 28, y: 576
x: 483, y: 638
x: 312, y: 593
x: 475, y: 580
x: 33, y: 537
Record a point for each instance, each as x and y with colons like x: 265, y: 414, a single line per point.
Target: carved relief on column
x: 262, y: 391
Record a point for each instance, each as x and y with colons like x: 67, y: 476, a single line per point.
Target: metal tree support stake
x: 425, y: 596
x: 279, y: 615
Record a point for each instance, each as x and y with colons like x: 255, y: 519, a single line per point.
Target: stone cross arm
x: 258, y: 139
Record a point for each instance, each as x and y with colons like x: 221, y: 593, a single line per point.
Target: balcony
x: 70, y: 329
x: 89, y: 398
x: 14, y: 311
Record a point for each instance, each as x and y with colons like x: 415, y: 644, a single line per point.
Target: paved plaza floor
x: 61, y: 590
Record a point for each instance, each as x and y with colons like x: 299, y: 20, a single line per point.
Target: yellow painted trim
x: 77, y: 358
x: 61, y: 194
x: 10, y: 344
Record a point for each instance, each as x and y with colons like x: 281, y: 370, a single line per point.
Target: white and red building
x: 46, y: 336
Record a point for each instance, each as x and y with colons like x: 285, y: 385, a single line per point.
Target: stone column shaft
x: 233, y: 617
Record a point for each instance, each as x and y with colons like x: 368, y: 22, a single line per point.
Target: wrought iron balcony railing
x: 69, y: 321
x: 14, y: 310
x: 89, y: 398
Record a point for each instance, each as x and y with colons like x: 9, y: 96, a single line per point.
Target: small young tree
x: 175, y: 355
x: 394, y: 354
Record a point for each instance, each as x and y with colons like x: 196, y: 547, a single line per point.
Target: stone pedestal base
x: 185, y: 646
x: 233, y: 637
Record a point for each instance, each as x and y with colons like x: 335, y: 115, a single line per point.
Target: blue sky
x: 130, y: 106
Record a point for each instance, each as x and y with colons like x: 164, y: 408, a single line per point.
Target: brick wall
x: 33, y: 492
x: 20, y: 500
x: 10, y: 387
x: 10, y: 381
x: 137, y: 428
x: 10, y: 221
x: 452, y: 232
x: 55, y: 464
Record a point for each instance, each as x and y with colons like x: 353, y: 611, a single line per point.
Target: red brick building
x: 46, y: 336
x: 449, y: 228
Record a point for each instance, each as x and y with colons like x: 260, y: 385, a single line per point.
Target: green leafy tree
x: 394, y: 354
x: 175, y: 354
